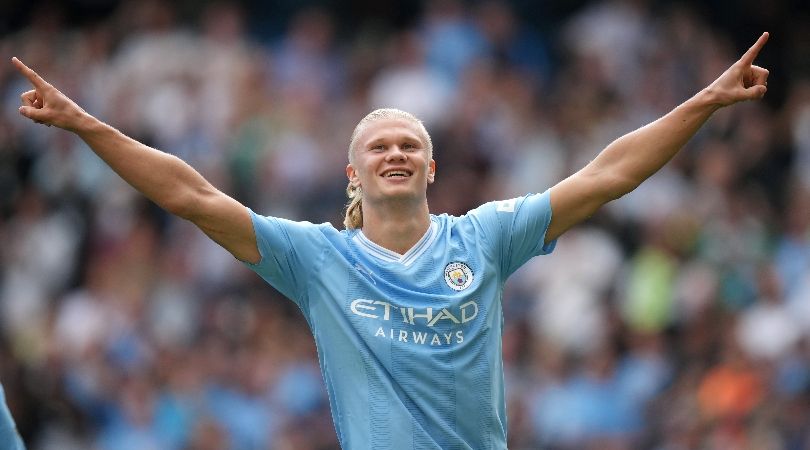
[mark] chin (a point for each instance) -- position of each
(401, 193)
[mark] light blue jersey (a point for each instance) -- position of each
(9, 438)
(409, 345)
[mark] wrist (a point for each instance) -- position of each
(710, 98)
(84, 123)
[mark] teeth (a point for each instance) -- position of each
(396, 174)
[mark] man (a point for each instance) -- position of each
(404, 305)
(9, 438)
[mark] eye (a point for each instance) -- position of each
(408, 146)
(378, 148)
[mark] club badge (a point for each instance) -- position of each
(458, 276)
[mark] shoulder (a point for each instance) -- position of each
(509, 214)
(271, 227)
(492, 210)
(325, 227)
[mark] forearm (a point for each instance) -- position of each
(163, 178)
(636, 156)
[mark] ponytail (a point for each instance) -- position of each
(354, 209)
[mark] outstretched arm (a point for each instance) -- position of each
(163, 178)
(624, 164)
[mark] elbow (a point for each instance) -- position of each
(177, 205)
(187, 195)
(192, 203)
(184, 203)
(616, 187)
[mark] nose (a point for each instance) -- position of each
(396, 154)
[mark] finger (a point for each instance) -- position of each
(756, 92)
(37, 115)
(760, 75)
(749, 56)
(28, 97)
(32, 76)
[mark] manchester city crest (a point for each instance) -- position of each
(458, 276)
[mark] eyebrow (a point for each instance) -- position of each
(409, 139)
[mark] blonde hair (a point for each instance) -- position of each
(354, 209)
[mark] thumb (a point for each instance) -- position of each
(33, 113)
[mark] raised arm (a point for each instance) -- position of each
(163, 178)
(624, 164)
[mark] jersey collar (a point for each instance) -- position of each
(386, 255)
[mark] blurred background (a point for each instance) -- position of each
(677, 318)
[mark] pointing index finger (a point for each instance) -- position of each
(751, 54)
(29, 73)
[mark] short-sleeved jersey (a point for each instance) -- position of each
(9, 438)
(409, 345)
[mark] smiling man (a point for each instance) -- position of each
(405, 306)
(390, 165)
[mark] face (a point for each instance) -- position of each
(391, 161)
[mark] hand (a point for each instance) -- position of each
(743, 80)
(45, 104)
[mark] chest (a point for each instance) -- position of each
(440, 299)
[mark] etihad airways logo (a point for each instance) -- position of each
(376, 309)
(388, 312)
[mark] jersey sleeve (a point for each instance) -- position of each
(9, 437)
(515, 229)
(289, 252)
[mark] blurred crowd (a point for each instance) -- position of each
(677, 318)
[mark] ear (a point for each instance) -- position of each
(351, 174)
(431, 174)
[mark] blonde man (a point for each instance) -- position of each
(404, 305)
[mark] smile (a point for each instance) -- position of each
(396, 173)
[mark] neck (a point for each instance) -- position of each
(395, 226)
